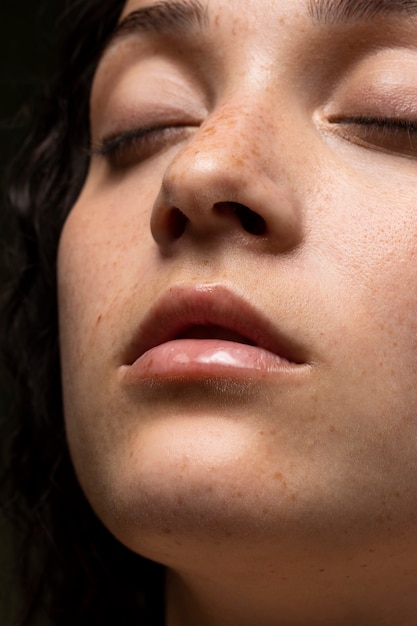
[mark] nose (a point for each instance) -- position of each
(224, 183)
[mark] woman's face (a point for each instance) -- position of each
(238, 289)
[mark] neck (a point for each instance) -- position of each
(292, 597)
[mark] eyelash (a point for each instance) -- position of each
(139, 144)
(389, 133)
(392, 123)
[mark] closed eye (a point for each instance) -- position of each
(390, 134)
(137, 145)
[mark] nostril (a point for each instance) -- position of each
(252, 222)
(177, 223)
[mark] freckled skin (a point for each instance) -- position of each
(270, 504)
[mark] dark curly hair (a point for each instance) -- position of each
(71, 570)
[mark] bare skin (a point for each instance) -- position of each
(274, 187)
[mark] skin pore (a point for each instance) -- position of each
(257, 160)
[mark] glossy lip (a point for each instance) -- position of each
(240, 341)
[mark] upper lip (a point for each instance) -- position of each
(182, 308)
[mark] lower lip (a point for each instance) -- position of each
(203, 358)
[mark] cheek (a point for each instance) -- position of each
(103, 258)
(103, 261)
(85, 286)
(366, 247)
(386, 273)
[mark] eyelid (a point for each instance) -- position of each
(141, 115)
(381, 85)
(140, 98)
(110, 142)
(391, 135)
(137, 145)
(372, 105)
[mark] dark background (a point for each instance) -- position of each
(28, 34)
(28, 39)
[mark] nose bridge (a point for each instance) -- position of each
(232, 133)
(234, 142)
(247, 126)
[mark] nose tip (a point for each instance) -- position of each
(214, 186)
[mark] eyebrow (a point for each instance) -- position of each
(182, 16)
(342, 11)
(163, 17)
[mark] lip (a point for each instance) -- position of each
(207, 331)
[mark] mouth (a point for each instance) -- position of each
(215, 332)
(208, 331)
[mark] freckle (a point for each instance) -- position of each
(397, 494)
(294, 497)
(371, 550)
(261, 432)
(322, 570)
(264, 511)
(279, 476)
(239, 162)
(167, 531)
(284, 578)
(210, 130)
(273, 432)
(239, 494)
(364, 565)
